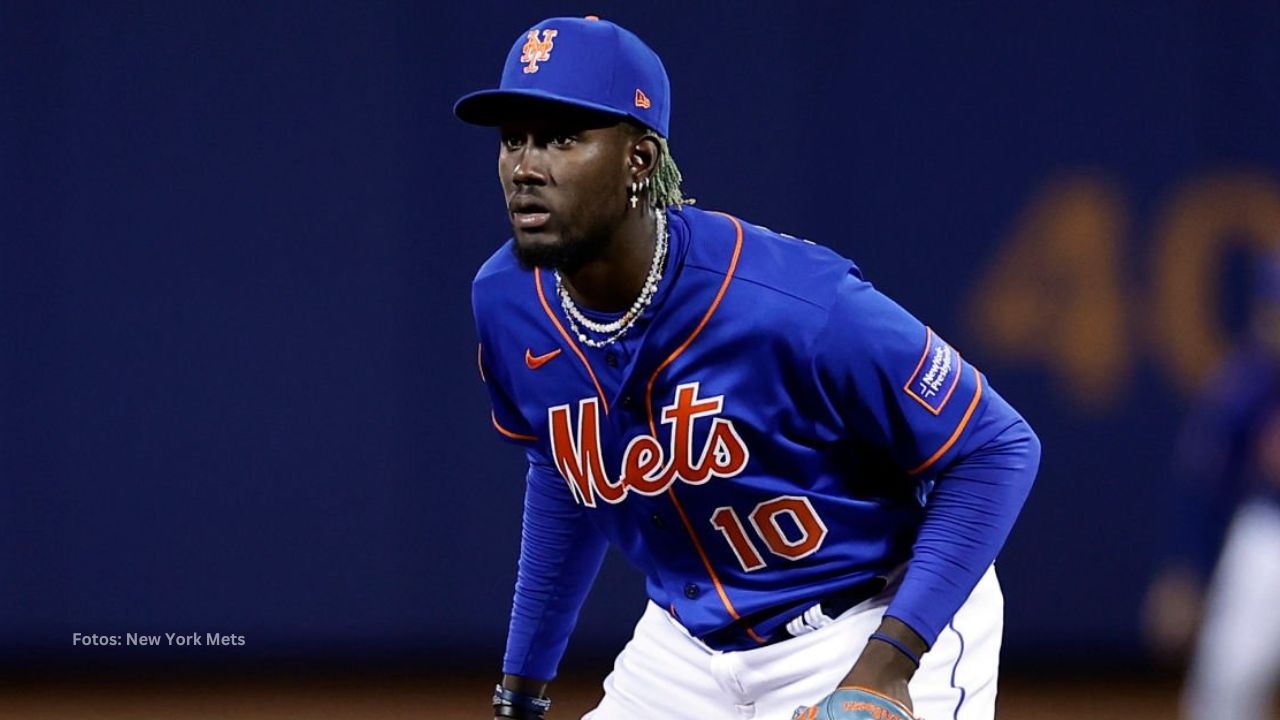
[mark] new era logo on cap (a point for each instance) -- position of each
(642, 100)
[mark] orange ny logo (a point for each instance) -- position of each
(536, 51)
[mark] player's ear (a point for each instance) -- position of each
(644, 155)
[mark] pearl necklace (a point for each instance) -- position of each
(615, 330)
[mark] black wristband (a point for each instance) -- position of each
(518, 706)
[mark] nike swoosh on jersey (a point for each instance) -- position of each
(536, 361)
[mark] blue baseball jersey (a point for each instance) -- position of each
(771, 431)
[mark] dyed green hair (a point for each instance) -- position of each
(664, 183)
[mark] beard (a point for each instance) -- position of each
(568, 255)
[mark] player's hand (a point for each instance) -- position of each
(854, 703)
(885, 669)
(881, 676)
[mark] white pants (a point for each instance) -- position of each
(1237, 661)
(665, 673)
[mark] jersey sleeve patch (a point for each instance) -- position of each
(936, 375)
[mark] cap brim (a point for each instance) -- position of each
(494, 107)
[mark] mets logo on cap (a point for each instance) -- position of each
(536, 51)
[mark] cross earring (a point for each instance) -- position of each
(635, 193)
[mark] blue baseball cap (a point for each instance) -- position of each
(583, 62)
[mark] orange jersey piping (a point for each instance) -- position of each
(728, 276)
(513, 435)
(964, 421)
(706, 563)
(648, 401)
(537, 282)
(493, 415)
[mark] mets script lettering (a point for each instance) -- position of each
(647, 467)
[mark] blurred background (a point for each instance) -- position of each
(237, 366)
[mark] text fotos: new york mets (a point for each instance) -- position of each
(167, 639)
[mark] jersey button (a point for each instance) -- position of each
(657, 521)
(627, 401)
(691, 591)
(611, 360)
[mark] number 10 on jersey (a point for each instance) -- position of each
(801, 537)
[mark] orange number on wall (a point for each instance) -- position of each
(1203, 221)
(1054, 293)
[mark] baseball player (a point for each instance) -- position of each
(1227, 535)
(814, 484)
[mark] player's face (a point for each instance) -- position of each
(564, 175)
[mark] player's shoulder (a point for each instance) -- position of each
(500, 267)
(773, 262)
(506, 301)
(499, 280)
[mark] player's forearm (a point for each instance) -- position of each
(525, 685)
(560, 554)
(968, 517)
(889, 660)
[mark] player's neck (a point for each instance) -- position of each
(612, 282)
